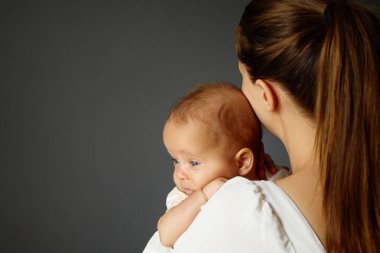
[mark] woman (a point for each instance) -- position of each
(310, 71)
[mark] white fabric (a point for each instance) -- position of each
(176, 196)
(154, 245)
(249, 216)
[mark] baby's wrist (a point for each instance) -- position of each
(213, 187)
(205, 196)
(201, 195)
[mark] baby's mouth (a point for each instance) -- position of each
(188, 191)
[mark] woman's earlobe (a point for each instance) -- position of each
(268, 94)
(245, 160)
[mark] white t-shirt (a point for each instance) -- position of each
(249, 216)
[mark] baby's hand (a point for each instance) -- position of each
(264, 163)
(213, 186)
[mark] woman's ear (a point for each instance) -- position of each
(268, 94)
(245, 161)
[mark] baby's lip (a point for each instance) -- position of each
(188, 191)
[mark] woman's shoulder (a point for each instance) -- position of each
(265, 203)
(246, 204)
(245, 216)
(236, 219)
(249, 196)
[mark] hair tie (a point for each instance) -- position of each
(328, 14)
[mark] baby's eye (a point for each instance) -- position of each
(194, 163)
(175, 161)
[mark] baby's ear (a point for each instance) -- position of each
(245, 160)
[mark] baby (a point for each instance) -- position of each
(212, 135)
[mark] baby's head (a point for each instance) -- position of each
(212, 132)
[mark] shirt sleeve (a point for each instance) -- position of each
(174, 197)
(236, 219)
(154, 245)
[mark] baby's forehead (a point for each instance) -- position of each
(200, 125)
(210, 131)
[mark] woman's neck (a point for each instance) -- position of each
(299, 143)
(297, 133)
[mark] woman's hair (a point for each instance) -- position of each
(226, 112)
(326, 54)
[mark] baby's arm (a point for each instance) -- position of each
(176, 220)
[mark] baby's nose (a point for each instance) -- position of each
(181, 172)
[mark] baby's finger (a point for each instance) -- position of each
(271, 167)
(261, 160)
(260, 168)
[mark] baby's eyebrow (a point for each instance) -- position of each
(187, 153)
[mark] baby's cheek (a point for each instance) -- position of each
(175, 179)
(203, 180)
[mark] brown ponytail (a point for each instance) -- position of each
(348, 134)
(326, 54)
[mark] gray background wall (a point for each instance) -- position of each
(85, 87)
